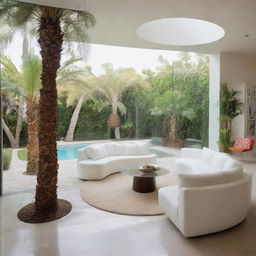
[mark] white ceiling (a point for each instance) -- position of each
(117, 21)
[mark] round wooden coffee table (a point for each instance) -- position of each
(144, 182)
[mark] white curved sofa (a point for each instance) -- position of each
(213, 193)
(99, 160)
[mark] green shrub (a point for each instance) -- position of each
(22, 154)
(7, 156)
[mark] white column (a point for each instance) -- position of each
(214, 101)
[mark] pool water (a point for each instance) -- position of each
(69, 152)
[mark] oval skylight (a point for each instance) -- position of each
(180, 31)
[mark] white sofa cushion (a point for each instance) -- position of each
(218, 160)
(231, 164)
(198, 179)
(139, 148)
(95, 170)
(207, 155)
(115, 149)
(191, 165)
(196, 172)
(95, 152)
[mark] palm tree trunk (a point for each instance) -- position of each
(73, 121)
(50, 40)
(9, 134)
(32, 146)
(173, 129)
(117, 129)
(117, 133)
(19, 124)
(14, 140)
(25, 50)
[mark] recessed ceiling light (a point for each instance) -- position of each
(180, 31)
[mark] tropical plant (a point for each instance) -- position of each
(112, 85)
(27, 83)
(76, 83)
(54, 26)
(13, 104)
(173, 105)
(230, 107)
(190, 77)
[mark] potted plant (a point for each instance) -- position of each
(230, 107)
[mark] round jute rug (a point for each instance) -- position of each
(115, 194)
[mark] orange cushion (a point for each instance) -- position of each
(237, 149)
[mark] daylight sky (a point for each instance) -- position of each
(137, 58)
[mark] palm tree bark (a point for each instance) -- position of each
(73, 121)
(117, 133)
(25, 50)
(50, 40)
(15, 140)
(9, 134)
(173, 129)
(19, 124)
(32, 146)
(114, 111)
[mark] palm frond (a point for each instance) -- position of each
(32, 68)
(11, 87)
(75, 25)
(16, 12)
(69, 62)
(121, 107)
(10, 67)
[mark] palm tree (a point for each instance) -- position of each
(27, 82)
(172, 105)
(12, 101)
(112, 85)
(76, 84)
(55, 25)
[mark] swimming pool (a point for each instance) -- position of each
(68, 152)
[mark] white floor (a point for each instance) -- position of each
(91, 232)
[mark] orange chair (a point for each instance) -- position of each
(242, 145)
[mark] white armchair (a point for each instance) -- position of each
(206, 200)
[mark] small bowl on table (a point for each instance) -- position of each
(149, 168)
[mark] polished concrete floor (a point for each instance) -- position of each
(92, 232)
(88, 231)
